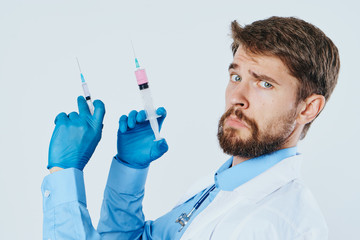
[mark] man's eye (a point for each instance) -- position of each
(235, 78)
(265, 84)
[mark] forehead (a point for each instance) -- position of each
(269, 65)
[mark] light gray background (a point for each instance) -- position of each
(184, 46)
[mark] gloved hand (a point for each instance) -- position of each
(76, 136)
(136, 146)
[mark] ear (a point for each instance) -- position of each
(310, 108)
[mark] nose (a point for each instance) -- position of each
(238, 95)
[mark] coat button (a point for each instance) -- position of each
(47, 193)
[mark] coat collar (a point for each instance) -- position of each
(229, 178)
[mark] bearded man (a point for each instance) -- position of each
(282, 74)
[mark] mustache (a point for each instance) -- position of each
(240, 115)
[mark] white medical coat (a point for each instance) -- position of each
(275, 205)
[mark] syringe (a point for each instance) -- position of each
(86, 90)
(142, 81)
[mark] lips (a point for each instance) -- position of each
(235, 122)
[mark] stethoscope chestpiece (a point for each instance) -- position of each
(183, 219)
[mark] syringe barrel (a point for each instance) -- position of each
(148, 103)
(150, 112)
(155, 127)
(88, 97)
(86, 90)
(91, 106)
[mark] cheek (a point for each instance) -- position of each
(273, 104)
(272, 119)
(266, 113)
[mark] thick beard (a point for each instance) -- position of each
(260, 142)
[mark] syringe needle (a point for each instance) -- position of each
(136, 60)
(78, 64)
(132, 45)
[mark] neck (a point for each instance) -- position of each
(237, 160)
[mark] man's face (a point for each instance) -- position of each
(261, 106)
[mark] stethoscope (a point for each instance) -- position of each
(184, 218)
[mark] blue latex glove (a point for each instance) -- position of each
(76, 136)
(136, 146)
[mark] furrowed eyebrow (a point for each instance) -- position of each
(233, 66)
(263, 77)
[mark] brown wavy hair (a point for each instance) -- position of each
(308, 53)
